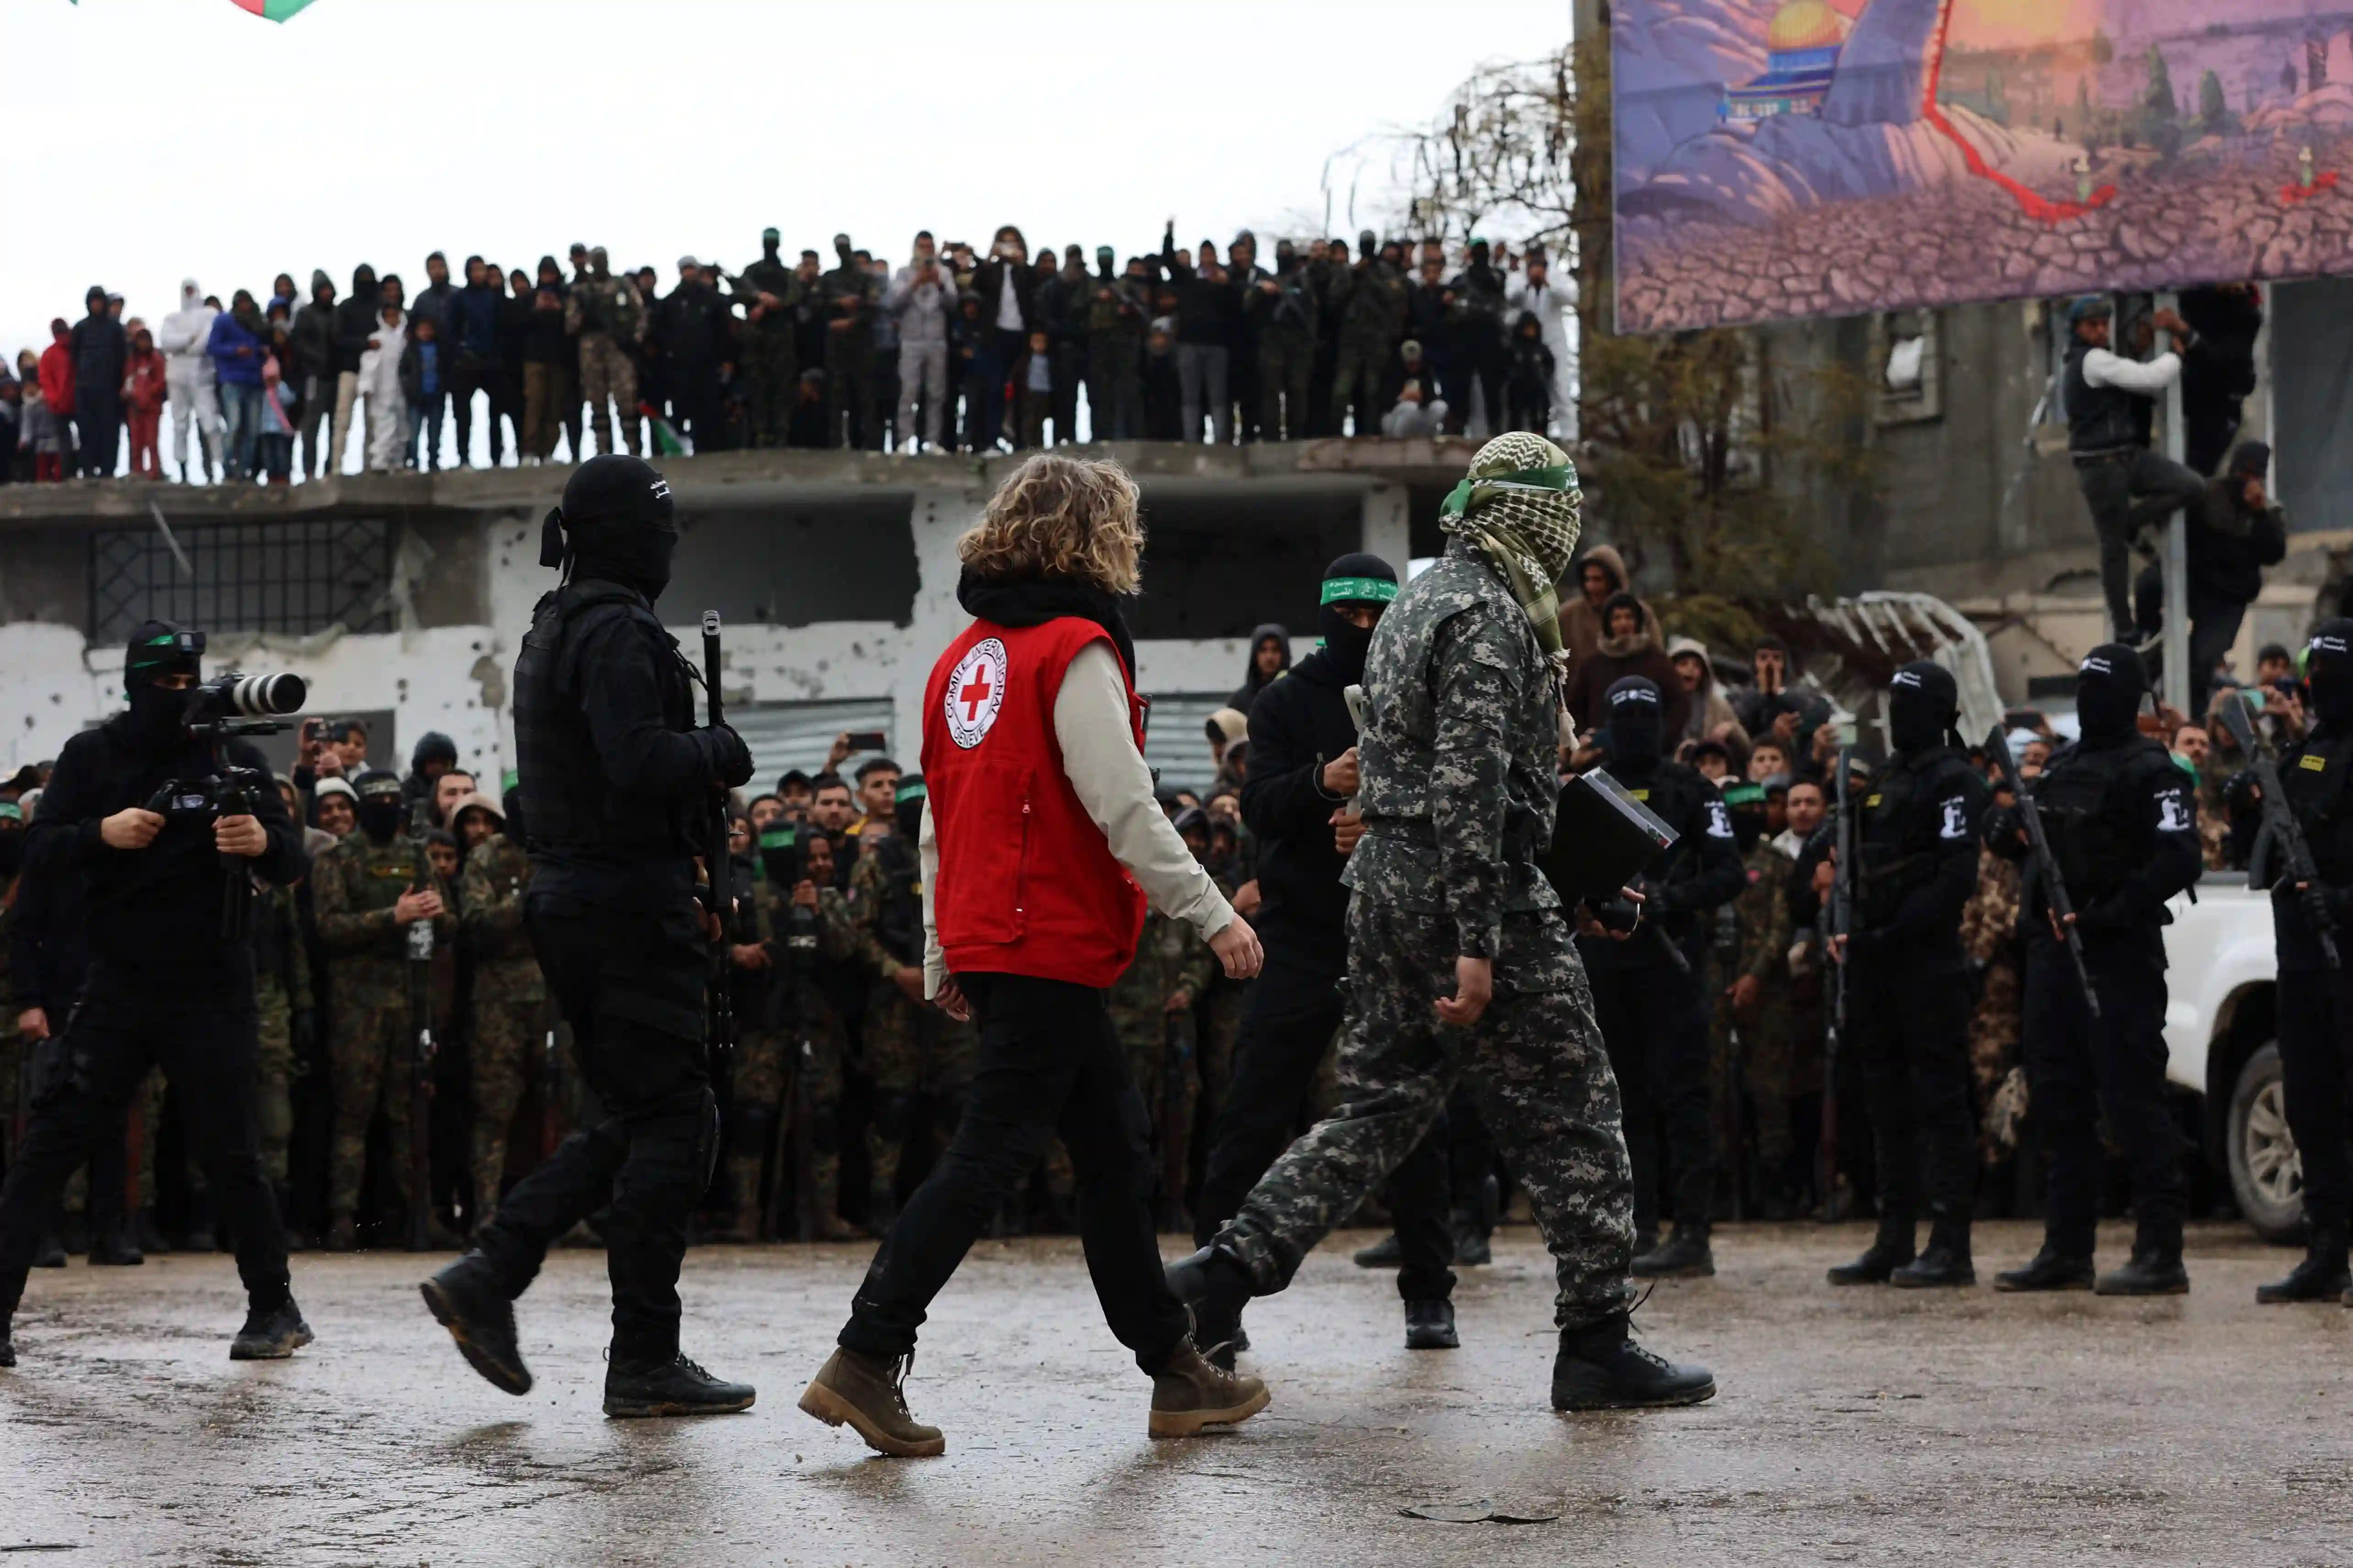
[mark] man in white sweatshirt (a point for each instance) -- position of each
(188, 380)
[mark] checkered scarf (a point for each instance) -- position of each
(1520, 505)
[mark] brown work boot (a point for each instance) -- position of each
(871, 1395)
(1189, 1394)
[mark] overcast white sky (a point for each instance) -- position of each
(158, 139)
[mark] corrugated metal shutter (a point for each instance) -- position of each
(785, 735)
(1173, 742)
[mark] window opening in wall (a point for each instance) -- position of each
(295, 578)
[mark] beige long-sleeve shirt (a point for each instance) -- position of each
(1109, 776)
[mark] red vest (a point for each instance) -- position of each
(1027, 884)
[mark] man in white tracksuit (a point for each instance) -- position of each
(1552, 305)
(188, 380)
(921, 298)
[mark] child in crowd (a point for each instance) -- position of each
(1527, 375)
(387, 409)
(1163, 409)
(37, 424)
(143, 395)
(281, 405)
(423, 366)
(1034, 376)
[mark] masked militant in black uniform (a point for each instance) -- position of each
(137, 811)
(2124, 831)
(616, 782)
(2316, 989)
(1909, 993)
(1647, 995)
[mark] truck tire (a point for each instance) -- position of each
(2266, 1175)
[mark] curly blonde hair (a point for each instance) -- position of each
(1059, 517)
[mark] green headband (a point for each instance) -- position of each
(1474, 490)
(908, 792)
(1357, 591)
(1744, 795)
(777, 838)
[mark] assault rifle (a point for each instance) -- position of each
(2046, 865)
(715, 861)
(421, 1022)
(2284, 830)
(1839, 925)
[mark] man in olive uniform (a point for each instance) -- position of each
(365, 894)
(768, 292)
(1372, 299)
(852, 297)
(1152, 1009)
(609, 318)
(1113, 310)
(1915, 834)
(1751, 990)
(913, 1052)
(1284, 307)
(507, 1005)
(281, 987)
(1460, 969)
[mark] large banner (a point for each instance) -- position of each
(1779, 158)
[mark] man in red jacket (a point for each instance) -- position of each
(58, 389)
(1041, 844)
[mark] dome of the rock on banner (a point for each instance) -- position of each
(1805, 25)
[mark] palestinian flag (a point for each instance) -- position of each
(272, 10)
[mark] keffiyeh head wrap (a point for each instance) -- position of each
(1520, 505)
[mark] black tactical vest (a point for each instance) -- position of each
(898, 922)
(1901, 829)
(2313, 774)
(2094, 825)
(2099, 418)
(567, 799)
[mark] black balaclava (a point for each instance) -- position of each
(1103, 258)
(159, 716)
(2328, 670)
(379, 804)
(1922, 703)
(910, 798)
(2110, 684)
(615, 523)
(1637, 723)
(1744, 803)
(1357, 579)
(769, 241)
(11, 840)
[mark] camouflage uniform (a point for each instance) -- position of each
(1161, 1055)
(281, 988)
(764, 1056)
(1760, 920)
(509, 1005)
(771, 379)
(1997, 1024)
(1458, 797)
(605, 314)
(1286, 349)
(372, 1049)
(850, 356)
(1114, 358)
(1372, 299)
(910, 1048)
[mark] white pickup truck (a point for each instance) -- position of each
(2222, 1046)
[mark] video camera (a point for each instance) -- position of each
(786, 859)
(232, 703)
(230, 706)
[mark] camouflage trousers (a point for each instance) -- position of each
(762, 1082)
(503, 1051)
(273, 1082)
(1997, 1028)
(1286, 363)
(1536, 1066)
(1767, 1072)
(605, 371)
(1356, 375)
(370, 1054)
(1163, 1061)
(912, 1052)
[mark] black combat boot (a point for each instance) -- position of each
(7, 1348)
(2153, 1271)
(2050, 1271)
(51, 1252)
(465, 1298)
(1216, 1285)
(1890, 1250)
(2321, 1276)
(115, 1245)
(1600, 1367)
(1947, 1263)
(672, 1387)
(1385, 1252)
(271, 1333)
(1430, 1326)
(1685, 1256)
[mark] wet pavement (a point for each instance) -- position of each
(1854, 1426)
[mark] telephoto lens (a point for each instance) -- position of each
(267, 696)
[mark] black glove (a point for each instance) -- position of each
(730, 759)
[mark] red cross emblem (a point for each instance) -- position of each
(975, 692)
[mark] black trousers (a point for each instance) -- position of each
(1653, 1022)
(2078, 1068)
(631, 987)
(205, 1045)
(1296, 1006)
(1909, 1016)
(2126, 494)
(2316, 1042)
(1051, 1066)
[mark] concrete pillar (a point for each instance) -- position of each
(1387, 530)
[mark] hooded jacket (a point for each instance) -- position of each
(235, 351)
(185, 335)
(1299, 725)
(1252, 683)
(1707, 708)
(312, 332)
(1580, 623)
(431, 746)
(355, 320)
(1591, 676)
